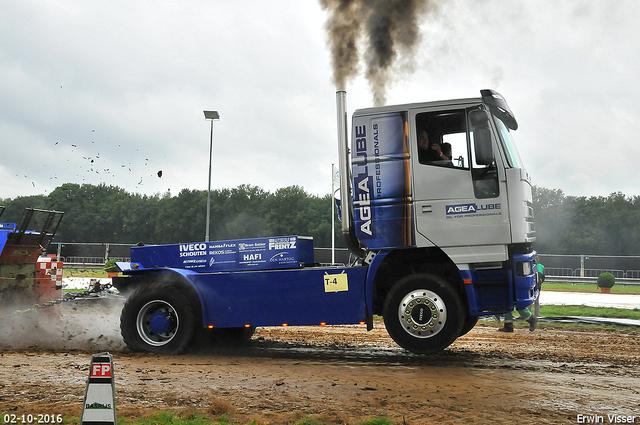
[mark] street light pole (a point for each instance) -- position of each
(212, 116)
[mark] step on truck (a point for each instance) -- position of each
(437, 212)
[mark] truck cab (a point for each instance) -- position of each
(439, 190)
(473, 202)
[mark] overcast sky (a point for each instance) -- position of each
(114, 91)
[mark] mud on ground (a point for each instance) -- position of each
(339, 374)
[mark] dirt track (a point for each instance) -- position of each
(341, 374)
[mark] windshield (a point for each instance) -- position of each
(513, 157)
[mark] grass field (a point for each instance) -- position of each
(84, 273)
(585, 311)
(581, 287)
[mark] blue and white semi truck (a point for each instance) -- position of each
(440, 238)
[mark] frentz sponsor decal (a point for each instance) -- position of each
(282, 243)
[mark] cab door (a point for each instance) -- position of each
(460, 194)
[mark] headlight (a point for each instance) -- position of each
(524, 268)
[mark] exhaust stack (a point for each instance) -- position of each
(348, 232)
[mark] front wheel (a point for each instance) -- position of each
(157, 318)
(469, 323)
(423, 314)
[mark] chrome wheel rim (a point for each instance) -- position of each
(157, 323)
(422, 313)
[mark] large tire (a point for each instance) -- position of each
(469, 323)
(423, 314)
(158, 318)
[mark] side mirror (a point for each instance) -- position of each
(481, 136)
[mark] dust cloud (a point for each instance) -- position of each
(75, 325)
(389, 30)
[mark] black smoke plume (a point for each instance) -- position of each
(389, 30)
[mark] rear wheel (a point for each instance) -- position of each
(158, 318)
(423, 314)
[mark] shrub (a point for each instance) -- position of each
(606, 280)
(110, 266)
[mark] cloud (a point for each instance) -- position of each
(126, 83)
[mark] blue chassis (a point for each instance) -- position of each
(306, 297)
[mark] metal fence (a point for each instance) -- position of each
(586, 268)
(566, 271)
(590, 276)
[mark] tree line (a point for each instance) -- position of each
(110, 214)
(598, 225)
(564, 224)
